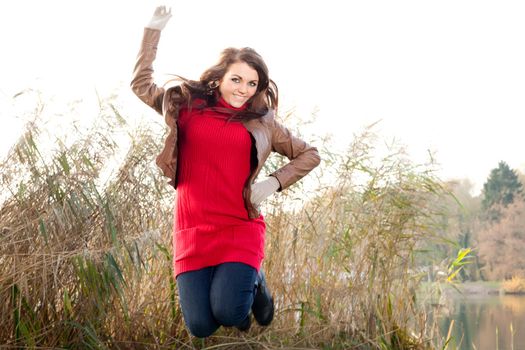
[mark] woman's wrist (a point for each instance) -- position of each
(273, 184)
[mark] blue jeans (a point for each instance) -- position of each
(216, 296)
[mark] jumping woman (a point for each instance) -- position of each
(222, 128)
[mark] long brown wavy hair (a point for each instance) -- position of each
(206, 88)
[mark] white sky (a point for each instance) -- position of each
(445, 76)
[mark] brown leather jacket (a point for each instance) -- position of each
(268, 134)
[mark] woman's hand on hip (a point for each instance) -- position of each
(160, 18)
(263, 189)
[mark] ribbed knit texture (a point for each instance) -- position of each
(211, 224)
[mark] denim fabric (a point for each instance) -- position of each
(216, 296)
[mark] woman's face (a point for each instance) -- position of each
(239, 84)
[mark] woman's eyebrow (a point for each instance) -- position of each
(238, 76)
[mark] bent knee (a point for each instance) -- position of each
(201, 329)
(230, 317)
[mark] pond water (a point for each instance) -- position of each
(484, 322)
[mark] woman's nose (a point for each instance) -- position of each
(243, 89)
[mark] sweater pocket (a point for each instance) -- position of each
(185, 243)
(202, 246)
(249, 240)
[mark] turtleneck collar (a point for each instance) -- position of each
(222, 103)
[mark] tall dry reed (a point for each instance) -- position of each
(85, 257)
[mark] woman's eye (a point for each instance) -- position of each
(235, 80)
(253, 84)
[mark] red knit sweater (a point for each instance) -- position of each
(211, 224)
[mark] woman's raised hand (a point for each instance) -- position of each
(160, 17)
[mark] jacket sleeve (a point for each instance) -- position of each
(303, 157)
(142, 83)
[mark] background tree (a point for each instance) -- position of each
(502, 243)
(501, 188)
(464, 220)
(459, 212)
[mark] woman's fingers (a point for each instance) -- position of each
(163, 11)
